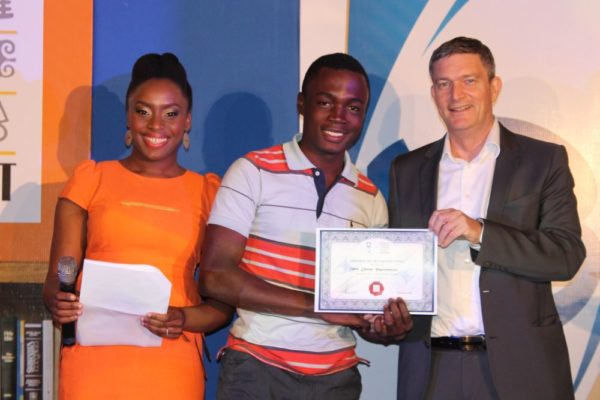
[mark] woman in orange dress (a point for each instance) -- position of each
(144, 209)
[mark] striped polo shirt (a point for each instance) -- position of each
(272, 197)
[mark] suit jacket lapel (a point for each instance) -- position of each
(429, 180)
(506, 164)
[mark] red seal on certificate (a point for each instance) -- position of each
(376, 288)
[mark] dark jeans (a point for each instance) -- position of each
(243, 377)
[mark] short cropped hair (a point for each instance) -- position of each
(335, 61)
(464, 45)
(159, 66)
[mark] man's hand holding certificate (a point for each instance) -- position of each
(358, 270)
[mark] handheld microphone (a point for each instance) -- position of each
(67, 274)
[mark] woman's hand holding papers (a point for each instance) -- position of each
(169, 325)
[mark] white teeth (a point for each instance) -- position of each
(334, 134)
(155, 140)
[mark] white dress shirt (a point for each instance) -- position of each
(464, 186)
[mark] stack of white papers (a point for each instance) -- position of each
(114, 297)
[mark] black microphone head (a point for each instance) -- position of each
(67, 270)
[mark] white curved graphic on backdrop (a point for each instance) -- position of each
(547, 55)
(550, 67)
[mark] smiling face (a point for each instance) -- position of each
(157, 116)
(464, 94)
(333, 106)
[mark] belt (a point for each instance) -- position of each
(463, 343)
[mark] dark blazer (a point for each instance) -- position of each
(531, 237)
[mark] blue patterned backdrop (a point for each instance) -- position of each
(243, 61)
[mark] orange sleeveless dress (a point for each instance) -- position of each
(140, 220)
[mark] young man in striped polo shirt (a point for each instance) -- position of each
(259, 253)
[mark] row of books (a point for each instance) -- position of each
(28, 344)
(27, 368)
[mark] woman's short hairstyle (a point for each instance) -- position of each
(159, 66)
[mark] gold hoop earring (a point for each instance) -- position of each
(186, 140)
(128, 138)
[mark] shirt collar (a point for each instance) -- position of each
(492, 144)
(297, 161)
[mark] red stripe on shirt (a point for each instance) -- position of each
(298, 361)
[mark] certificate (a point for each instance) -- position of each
(358, 270)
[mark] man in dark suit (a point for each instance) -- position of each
(503, 209)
